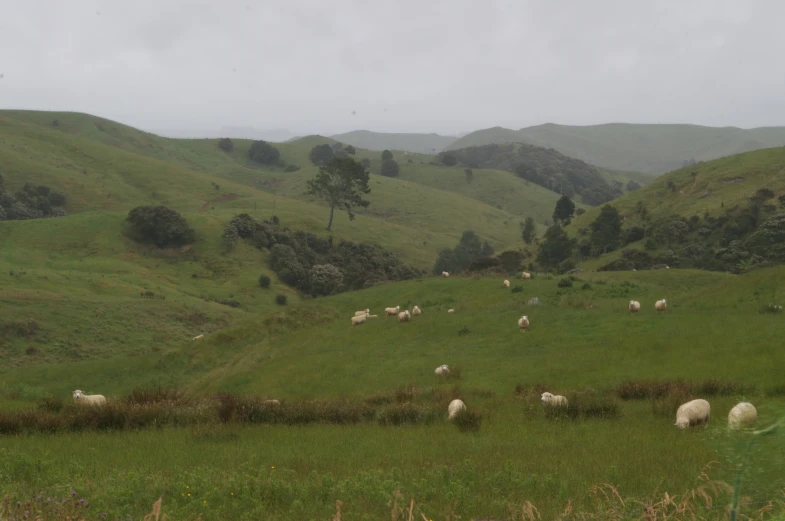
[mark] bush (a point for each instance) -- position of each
(281, 300)
(321, 154)
(264, 153)
(407, 414)
(468, 421)
(566, 282)
(517, 289)
(292, 168)
(226, 144)
(390, 168)
(159, 225)
(264, 281)
(50, 404)
(325, 279)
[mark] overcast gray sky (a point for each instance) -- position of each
(396, 65)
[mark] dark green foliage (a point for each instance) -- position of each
(31, 202)
(529, 230)
(281, 300)
(467, 421)
(292, 168)
(556, 247)
(264, 281)
(390, 168)
(264, 153)
(386, 155)
(634, 234)
(159, 225)
(448, 158)
(511, 261)
(350, 150)
(458, 259)
(321, 154)
(606, 230)
(632, 186)
(670, 230)
(226, 144)
(566, 282)
(365, 162)
(341, 183)
(768, 241)
(324, 279)
(564, 211)
(761, 196)
(629, 260)
(517, 289)
(469, 175)
(485, 264)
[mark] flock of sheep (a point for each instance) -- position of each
(692, 413)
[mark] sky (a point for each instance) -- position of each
(396, 65)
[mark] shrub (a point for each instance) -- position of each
(325, 279)
(516, 289)
(390, 168)
(281, 300)
(566, 282)
(468, 421)
(292, 168)
(50, 404)
(226, 144)
(159, 225)
(321, 154)
(406, 413)
(586, 285)
(592, 405)
(264, 153)
(264, 281)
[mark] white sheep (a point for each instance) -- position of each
(358, 313)
(693, 413)
(404, 316)
(445, 274)
(392, 311)
(553, 399)
(199, 337)
(455, 407)
(523, 323)
(360, 319)
(506, 283)
(89, 399)
(742, 413)
(634, 306)
(660, 305)
(451, 310)
(442, 370)
(271, 402)
(526, 275)
(416, 311)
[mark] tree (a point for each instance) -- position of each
(606, 230)
(386, 155)
(449, 159)
(390, 168)
(226, 144)
(564, 211)
(529, 230)
(321, 154)
(556, 247)
(341, 183)
(469, 175)
(350, 150)
(264, 153)
(324, 279)
(633, 185)
(468, 249)
(159, 225)
(365, 162)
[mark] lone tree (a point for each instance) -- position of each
(226, 144)
(529, 230)
(390, 168)
(564, 211)
(556, 247)
(321, 154)
(341, 182)
(606, 230)
(159, 225)
(449, 159)
(386, 155)
(469, 175)
(264, 153)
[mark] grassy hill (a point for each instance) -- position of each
(634, 147)
(411, 142)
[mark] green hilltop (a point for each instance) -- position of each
(411, 142)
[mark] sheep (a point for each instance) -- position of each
(553, 399)
(523, 323)
(634, 306)
(199, 337)
(359, 313)
(660, 305)
(271, 402)
(404, 316)
(89, 399)
(451, 310)
(416, 311)
(743, 412)
(526, 276)
(392, 311)
(359, 319)
(445, 274)
(455, 407)
(506, 283)
(442, 370)
(693, 413)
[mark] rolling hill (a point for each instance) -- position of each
(411, 142)
(654, 148)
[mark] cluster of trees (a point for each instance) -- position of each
(469, 250)
(389, 165)
(316, 265)
(322, 154)
(31, 202)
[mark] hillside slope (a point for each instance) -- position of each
(634, 147)
(411, 142)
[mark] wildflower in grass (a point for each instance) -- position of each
(189, 494)
(73, 493)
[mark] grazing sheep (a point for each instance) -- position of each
(660, 305)
(455, 407)
(451, 310)
(416, 311)
(526, 276)
(553, 399)
(404, 316)
(442, 370)
(634, 306)
(359, 319)
(693, 413)
(366, 312)
(506, 283)
(445, 274)
(742, 413)
(392, 311)
(271, 402)
(523, 323)
(199, 337)
(89, 399)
